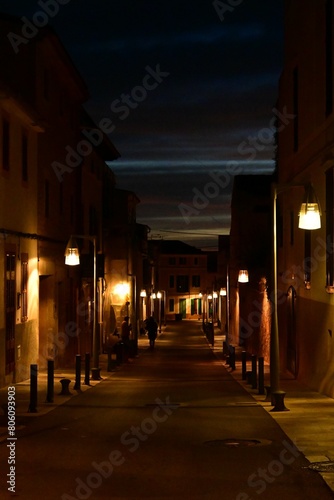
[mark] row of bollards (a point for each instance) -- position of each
(50, 381)
(229, 351)
(255, 378)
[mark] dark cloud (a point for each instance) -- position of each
(221, 90)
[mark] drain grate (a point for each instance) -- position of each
(237, 443)
(327, 466)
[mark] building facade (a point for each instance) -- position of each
(55, 183)
(180, 272)
(306, 156)
(250, 250)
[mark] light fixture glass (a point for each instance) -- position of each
(215, 295)
(122, 289)
(159, 295)
(222, 292)
(72, 255)
(310, 212)
(210, 296)
(143, 293)
(243, 276)
(154, 295)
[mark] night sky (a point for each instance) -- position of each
(191, 87)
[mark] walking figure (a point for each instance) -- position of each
(152, 330)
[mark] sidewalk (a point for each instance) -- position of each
(22, 390)
(309, 423)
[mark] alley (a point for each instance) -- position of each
(171, 424)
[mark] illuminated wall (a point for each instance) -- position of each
(305, 155)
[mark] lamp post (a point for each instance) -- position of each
(214, 306)
(153, 297)
(72, 258)
(143, 308)
(309, 218)
(159, 295)
(222, 293)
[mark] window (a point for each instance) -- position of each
(24, 287)
(292, 228)
(5, 144)
(182, 261)
(46, 199)
(329, 228)
(329, 57)
(61, 198)
(61, 104)
(172, 261)
(171, 305)
(295, 109)
(182, 283)
(46, 84)
(196, 281)
(72, 210)
(171, 281)
(307, 258)
(10, 310)
(24, 155)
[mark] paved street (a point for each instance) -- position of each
(171, 424)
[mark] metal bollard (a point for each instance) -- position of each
(50, 386)
(87, 368)
(65, 384)
(33, 389)
(77, 384)
(243, 364)
(261, 375)
(254, 372)
(232, 357)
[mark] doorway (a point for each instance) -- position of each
(291, 331)
(183, 307)
(10, 293)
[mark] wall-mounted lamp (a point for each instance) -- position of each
(122, 289)
(243, 276)
(72, 254)
(223, 292)
(143, 293)
(310, 212)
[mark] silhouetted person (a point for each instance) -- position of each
(152, 330)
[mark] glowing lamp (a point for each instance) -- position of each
(309, 214)
(243, 276)
(72, 255)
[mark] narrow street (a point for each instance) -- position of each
(171, 424)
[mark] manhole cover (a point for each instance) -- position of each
(173, 406)
(327, 466)
(237, 443)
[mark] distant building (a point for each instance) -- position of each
(250, 250)
(181, 272)
(125, 249)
